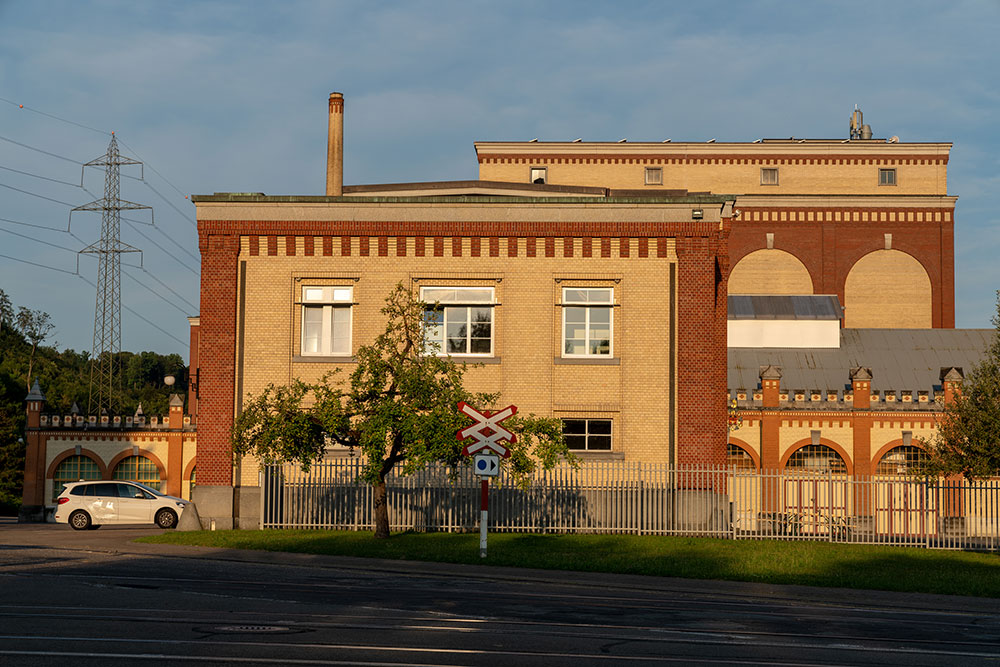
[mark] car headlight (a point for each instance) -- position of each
(182, 504)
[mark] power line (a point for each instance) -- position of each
(11, 187)
(64, 120)
(44, 266)
(168, 288)
(165, 251)
(44, 178)
(177, 189)
(32, 238)
(171, 204)
(155, 326)
(165, 299)
(39, 150)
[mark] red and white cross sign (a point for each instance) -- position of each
(486, 432)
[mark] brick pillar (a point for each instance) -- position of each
(217, 349)
(701, 359)
(948, 272)
(951, 506)
(193, 365)
(861, 423)
(175, 447)
(770, 431)
(33, 496)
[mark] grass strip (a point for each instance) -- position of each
(776, 562)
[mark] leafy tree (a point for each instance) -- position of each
(968, 435)
(398, 408)
(35, 326)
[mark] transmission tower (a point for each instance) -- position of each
(105, 370)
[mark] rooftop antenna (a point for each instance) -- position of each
(858, 128)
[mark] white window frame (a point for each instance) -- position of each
(587, 435)
(654, 175)
(887, 170)
(545, 174)
(588, 306)
(327, 299)
(769, 170)
(459, 302)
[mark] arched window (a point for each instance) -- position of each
(816, 458)
(193, 471)
(900, 460)
(739, 458)
(73, 469)
(138, 469)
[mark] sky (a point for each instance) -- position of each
(232, 96)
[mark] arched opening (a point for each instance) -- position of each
(816, 458)
(888, 289)
(138, 469)
(770, 271)
(900, 460)
(73, 469)
(739, 458)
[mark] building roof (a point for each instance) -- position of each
(784, 307)
(899, 359)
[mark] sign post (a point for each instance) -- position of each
(486, 434)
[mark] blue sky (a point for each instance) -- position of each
(227, 96)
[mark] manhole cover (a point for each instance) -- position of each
(252, 628)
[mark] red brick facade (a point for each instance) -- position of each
(829, 247)
(702, 271)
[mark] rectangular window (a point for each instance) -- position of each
(768, 175)
(458, 320)
(654, 176)
(587, 434)
(539, 175)
(587, 321)
(326, 321)
(886, 176)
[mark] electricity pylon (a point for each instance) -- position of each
(105, 365)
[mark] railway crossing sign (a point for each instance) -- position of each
(487, 431)
(486, 434)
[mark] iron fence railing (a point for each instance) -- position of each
(648, 499)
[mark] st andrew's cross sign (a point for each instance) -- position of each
(487, 432)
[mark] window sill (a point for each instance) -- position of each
(320, 359)
(460, 359)
(598, 455)
(587, 361)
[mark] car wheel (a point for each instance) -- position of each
(80, 520)
(166, 519)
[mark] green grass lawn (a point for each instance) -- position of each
(776, 562)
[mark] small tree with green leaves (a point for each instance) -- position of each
(398, 408)
(967, 441)
(35, 325)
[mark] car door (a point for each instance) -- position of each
(134, 505)
(103, 504)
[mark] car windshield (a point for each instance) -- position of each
(147, 488)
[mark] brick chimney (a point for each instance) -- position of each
(335, 147)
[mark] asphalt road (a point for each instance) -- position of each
(93, 598)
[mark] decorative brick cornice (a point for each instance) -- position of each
(715, 159)
(226, 228)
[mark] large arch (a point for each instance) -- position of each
(888, 289)
(848, 462)
(62, 456)
(746, 448)
(770, 271)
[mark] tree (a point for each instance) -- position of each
(35, 326)
(398, 408)
(967, 441)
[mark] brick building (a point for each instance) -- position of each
(869, 220)
(607, 311)
(157, 450)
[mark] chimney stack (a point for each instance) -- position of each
(335, 147)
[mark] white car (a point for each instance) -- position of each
(89, 505)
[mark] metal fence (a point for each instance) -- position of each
(647, 499)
